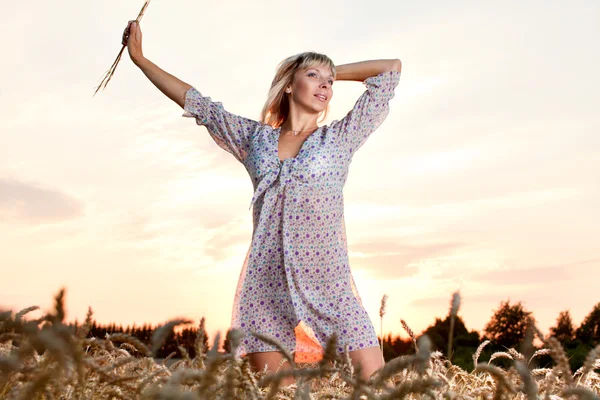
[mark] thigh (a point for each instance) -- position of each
(370, 360)
(272, 360)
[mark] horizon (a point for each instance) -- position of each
(194, 324)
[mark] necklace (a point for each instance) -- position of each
(297, 132)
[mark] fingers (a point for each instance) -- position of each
(138, 33)
(128, 31)
(126, 34)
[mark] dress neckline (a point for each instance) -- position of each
(277, 137)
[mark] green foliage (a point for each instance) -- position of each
(464, 342)
(463, 357)
(577, 354)
(589, 330)
(564, 330)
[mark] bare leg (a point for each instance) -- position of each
(272, 360)
(370, 359)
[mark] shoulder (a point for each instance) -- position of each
(262, 131)
(260, 127)
(332, 127)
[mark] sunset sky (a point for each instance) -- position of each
(485, 177)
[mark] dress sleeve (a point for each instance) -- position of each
(231, 132)
(369, 112)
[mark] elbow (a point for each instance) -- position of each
(397, 65)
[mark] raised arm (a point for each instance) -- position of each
(171, 86)
(381, 78)
(359, 71)
(231, 132)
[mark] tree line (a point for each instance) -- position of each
(506, 329)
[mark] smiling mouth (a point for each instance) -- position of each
(321, 97)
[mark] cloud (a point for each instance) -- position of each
(485, 291)
(486, 304)
(388, 260)
(229, 239)
(31, 203)
(535, 275)
(441, 302)
(136, 226)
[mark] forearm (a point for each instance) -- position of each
(359, 71)
(171, 86)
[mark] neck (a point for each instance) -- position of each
(298, 132)
(297, 121)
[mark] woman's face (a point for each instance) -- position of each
(311, 88)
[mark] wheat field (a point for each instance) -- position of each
(47, 359)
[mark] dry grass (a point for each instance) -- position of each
(119, 366)
(111, 71)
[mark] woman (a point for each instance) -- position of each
(296, 270)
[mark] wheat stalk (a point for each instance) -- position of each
(590, 361)
(529, 386)
(108, 75)
(454, 305)
(540, 352)
(561, 360)
(381, 314)
(410, 333)
(71, 367)
(582, 393)
(500, 354)
(478, 352)
(502, 380)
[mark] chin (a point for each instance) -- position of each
(321, 107)
(318, 107)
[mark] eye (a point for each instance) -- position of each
(330, 82)
(312, 74)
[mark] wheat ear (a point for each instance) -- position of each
(108, 75)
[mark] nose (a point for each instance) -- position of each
(324, 84)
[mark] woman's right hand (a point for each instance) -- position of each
(132, 38)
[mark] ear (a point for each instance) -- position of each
(288, 88)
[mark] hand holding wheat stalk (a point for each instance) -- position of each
(132, 38)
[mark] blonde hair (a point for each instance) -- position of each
(277, 107)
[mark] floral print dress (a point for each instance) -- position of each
(296, 285)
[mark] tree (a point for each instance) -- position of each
(440, 330)
(564, 330)
(395, 346)
(508, 325)
(464, 342)
(589, 330)
(226, 344)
